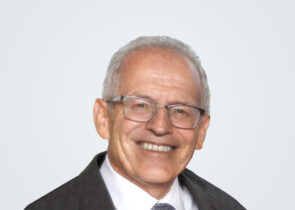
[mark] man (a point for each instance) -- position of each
(155, 114)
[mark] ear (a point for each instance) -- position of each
(101, 118)
(204, 124)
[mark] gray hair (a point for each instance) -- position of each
(111, 81)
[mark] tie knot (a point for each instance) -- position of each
(163, 206)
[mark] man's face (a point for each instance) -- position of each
(165, 77)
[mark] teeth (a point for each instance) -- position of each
(155, 147)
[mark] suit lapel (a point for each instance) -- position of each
(93, 194)
(201, 198)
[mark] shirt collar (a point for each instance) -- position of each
(128, 196)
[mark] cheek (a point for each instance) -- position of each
(121, 132)
(188, 144)
(116, 124)
(117, 119)
(130, 128)
(189, 138)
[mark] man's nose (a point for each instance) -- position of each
(160, 124)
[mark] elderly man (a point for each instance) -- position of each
(155, 114)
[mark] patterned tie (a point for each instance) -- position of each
(163, 206)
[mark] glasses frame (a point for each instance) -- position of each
(123, 98)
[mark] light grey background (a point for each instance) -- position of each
(53, 59)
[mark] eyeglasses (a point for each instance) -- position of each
(142, 110)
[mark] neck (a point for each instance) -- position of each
(157, 191)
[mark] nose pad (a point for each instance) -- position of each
(160, 123)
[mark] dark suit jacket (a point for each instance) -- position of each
(88, 192)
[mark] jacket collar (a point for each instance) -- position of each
(93, 193)
(194, 186)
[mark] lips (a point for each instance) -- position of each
(155, 147)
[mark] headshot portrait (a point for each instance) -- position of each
(176, 105)
(154, 112)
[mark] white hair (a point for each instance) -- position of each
(112, 78)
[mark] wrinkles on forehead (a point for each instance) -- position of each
(158, 70)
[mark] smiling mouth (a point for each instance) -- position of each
(154, 147)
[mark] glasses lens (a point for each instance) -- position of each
(183, 116)
(142, 110)
(138, 109)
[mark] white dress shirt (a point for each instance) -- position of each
(128, 196)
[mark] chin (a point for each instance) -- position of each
(157, 176)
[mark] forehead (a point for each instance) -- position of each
(159, 72)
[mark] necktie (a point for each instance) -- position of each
(163, 206)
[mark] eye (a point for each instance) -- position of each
(180, 111)
(142, 105)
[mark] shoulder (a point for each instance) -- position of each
(85, 191)
(215, 197)
(63, 197)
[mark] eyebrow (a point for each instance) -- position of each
(175, 102)
(143, 96)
